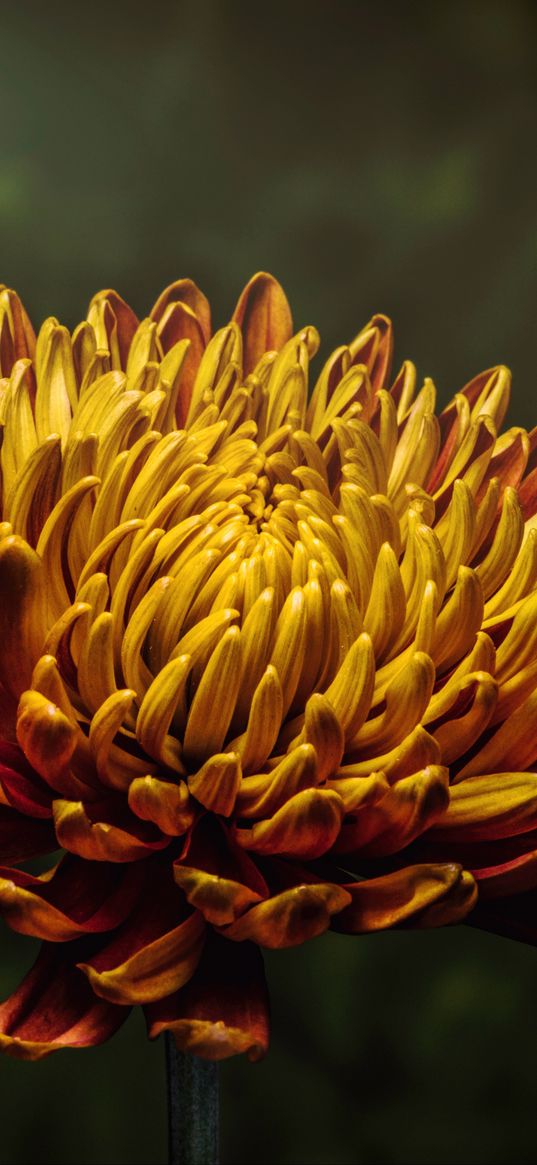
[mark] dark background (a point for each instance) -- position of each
(375, 157)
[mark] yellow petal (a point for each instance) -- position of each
(351, 691)
(214, 701)
(216, 783)
(486, 807)
(264, 722)
(305, 827)
(263, 795)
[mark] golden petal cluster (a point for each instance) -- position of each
(261, 626)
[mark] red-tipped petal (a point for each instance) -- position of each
(180, 323)
(510, 877)
(22, 788)
(264, 316)
(154, 952)
(70, 900)
(120, 319)
(185, 292)
(223, 1010)
(373, 346)
(53, 1008)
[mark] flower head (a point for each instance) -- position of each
(268, 659)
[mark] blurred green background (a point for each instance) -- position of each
(374, 156)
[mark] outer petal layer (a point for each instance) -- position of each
(65, 903)
(54, 1007)
(291, 917)
(223, 1010)
(379, 903)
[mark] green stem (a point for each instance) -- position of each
(192, 1108)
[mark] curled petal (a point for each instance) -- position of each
(263, 795)
(379, 903)
(87, 831)
(216, 783)
(456, 734)
(373, 346)
(406, 698)
(114, 321)
(512, 745)
(359, 792)
(46, 736)
(166, 803)
(154, 952)
(407, 809)
(323, 731)
(351, 691)
(223, 1010)
(292, 916)
(306, 826)
(65, 903)
(452, 908)
(488, 393)
(214, 702)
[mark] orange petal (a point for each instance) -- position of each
(291, 917)
(306, 826)
(185, 291)
(66, 902)
(85, 830)
(379, 903)
(154, 971)
(408, 808)
(166, 803)
(468, 718)
(223, 1010)
(489, 806)
(216, 783)
(264, 316)
(263, 794)
(46, 736)
(452, 908)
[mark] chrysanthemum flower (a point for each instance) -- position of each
(268, 659)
